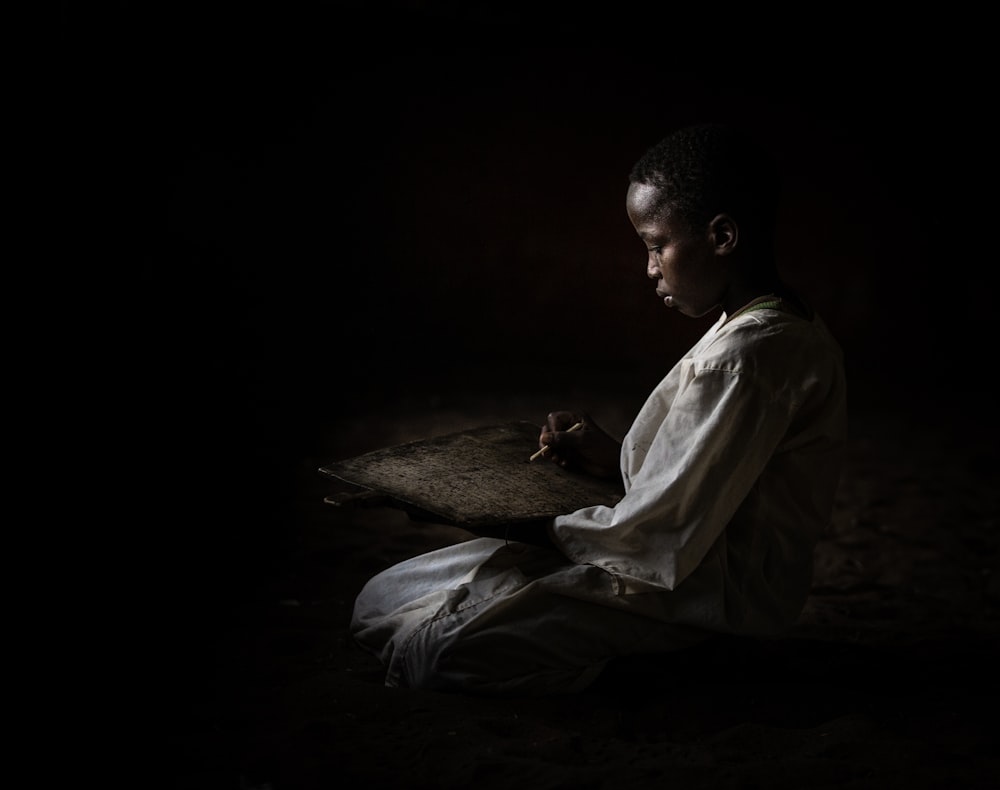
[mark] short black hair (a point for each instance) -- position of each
(711, 168)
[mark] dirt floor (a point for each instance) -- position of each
(888, 680)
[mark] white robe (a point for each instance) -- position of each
(730, 470)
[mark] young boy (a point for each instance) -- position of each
(729, 470)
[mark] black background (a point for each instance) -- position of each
(329, 210)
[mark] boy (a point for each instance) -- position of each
(729, 470)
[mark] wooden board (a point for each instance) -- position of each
(476, 478)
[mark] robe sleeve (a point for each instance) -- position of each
(701, 460)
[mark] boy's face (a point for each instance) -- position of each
(689, 273)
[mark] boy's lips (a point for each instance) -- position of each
(668, 300)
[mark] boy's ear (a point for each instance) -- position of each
(725, 234)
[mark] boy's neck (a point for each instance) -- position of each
(741, 293)
(766, 293)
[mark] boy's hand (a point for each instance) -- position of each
(589, 450)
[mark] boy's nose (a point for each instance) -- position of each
(652, 270)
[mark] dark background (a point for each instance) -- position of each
(335, 214)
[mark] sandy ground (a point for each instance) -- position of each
(888, 680)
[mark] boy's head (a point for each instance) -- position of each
(704, 201)
(709, 169)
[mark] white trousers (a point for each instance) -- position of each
(489, 617)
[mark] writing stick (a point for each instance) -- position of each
(545, 449)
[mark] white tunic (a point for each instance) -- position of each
(730, 469)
